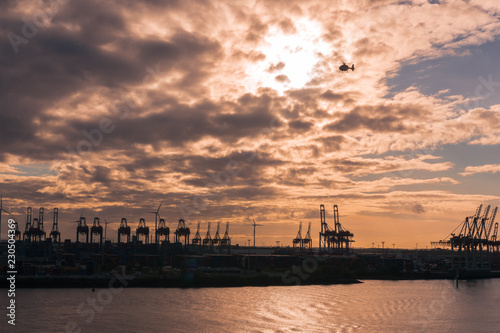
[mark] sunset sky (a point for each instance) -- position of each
(224, 109)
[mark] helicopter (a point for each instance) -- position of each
(345, 68)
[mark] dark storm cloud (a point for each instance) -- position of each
(60, 62)
(300, 125)
(101, 174)
(178, 124)
(375, 118)
(237, 168)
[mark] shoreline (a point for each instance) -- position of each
(129, 281)
(222, 280)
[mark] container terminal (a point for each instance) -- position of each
(155, 256)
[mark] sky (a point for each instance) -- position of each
(229, 111)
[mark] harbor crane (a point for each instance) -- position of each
(216, 240)
(124, 230)
(36, 231)
(27, 229)
(226, 240)
(96, 229)
(473, 245)
(163, 231)
(82, 228)
(208, 239)
(142, 229)
(197, 236)
(307, 240)
(297, 241)
(182, 231)
(55, 234)
(336, 240)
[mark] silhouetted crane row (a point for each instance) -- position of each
(472, 246)
(197, 237)
(333, 241)
(215, 241)
(55, 234)
(208, 238)
(163, 230)
(124, 230)
(96, 229)
(182, 231)
(297, 241)
(142, 229)
(307, 240)
(34, 229)
(303, 244)
(82, 229)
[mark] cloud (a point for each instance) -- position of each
(189, 94)
(276, 67)
(488, 168)
(418, 209)
(282, 78)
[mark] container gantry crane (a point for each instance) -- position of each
(55, 234)
(297, 241)
(124, 230)
(207, 240)
(142, 229)
(182, 231)
(97, 230)
(163, 231)
(197, 236)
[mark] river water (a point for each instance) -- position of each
(372, 306)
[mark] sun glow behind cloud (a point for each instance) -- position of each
(291, 57)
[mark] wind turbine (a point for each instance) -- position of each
(79, 219)
(157, 214)
(105, 229)
(254, 225)
(1, 209)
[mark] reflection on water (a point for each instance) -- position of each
(373, 306)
